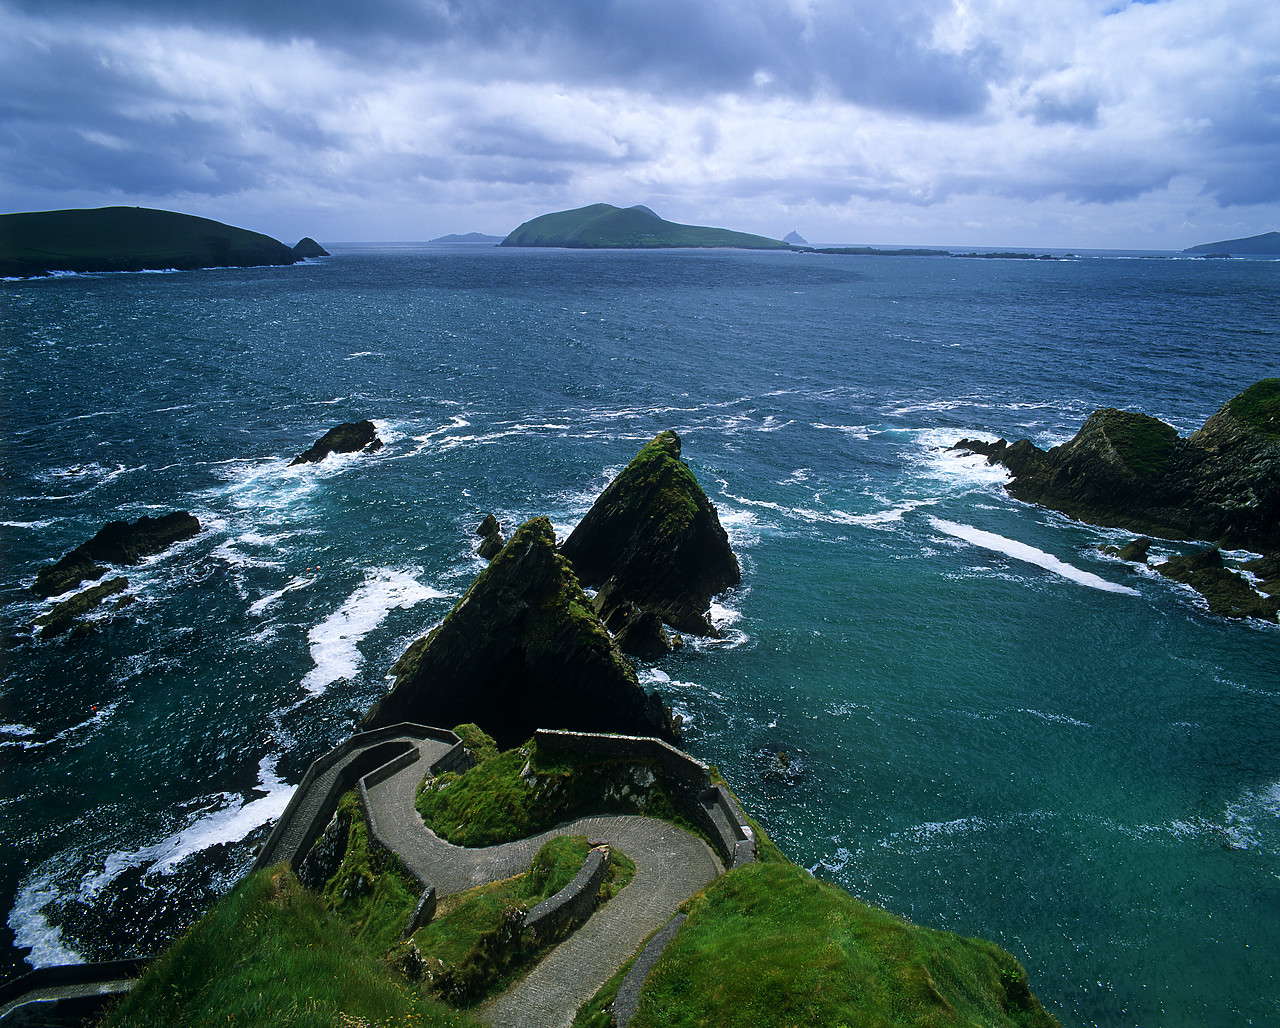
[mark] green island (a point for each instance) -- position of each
(604, 226)
(765, 943)
(134, 239)
(1248, 246)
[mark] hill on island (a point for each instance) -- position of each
(603, 226)
(133, 239)
(467, 237)
(1267, 243)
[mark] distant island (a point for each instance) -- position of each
(795, 239)
(467, 237)
(1249, 246)
(603, 226)
(134, 239)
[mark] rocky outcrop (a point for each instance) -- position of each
(1130, 470)
(491, 541)
(1229, 595)
(352, 437)
(522, 650)
(1222, 483)
(118, 542)
(654, 539)
(308, 247)
(65, 615)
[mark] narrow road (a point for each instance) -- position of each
(671, 865)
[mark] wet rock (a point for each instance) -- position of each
(1227, 592)
(351, 437)
(491, 541)
(118, 542)
(1135, 552)
(654, 539)
(64, 616)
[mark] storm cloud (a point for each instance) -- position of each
(1068, 122)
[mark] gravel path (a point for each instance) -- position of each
(671, 865)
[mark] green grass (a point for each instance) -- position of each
(1143, 442)
(269, 954)
(517, 794)
(1259, 406)
(769, 944)
(371, 892)
(602, 225)
(474, 947)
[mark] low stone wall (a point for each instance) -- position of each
(364, 752)
(575, 901)
(686, 781)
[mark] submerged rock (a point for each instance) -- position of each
(64, 616)
(352, 437)
(522, 650)
(654, 539)
(118, 542)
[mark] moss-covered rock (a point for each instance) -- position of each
(65, 614)
(654, 539)
(522, 650)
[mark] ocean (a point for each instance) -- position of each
(945, 701)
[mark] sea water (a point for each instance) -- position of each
(947, 702)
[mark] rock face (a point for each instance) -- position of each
(491, 541)
(1222, 483)
(351, 437)
(654, 539)
(522, 650)
(308, 247)
(118, 542)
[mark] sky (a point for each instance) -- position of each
(1029, 123)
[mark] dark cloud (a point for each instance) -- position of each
(867, 51)
(1065, 108)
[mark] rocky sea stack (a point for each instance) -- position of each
(1222, 483)
(522, 650)
(653, 539)
(352, 437)
(118, 542)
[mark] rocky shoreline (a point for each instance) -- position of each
(1129, 470)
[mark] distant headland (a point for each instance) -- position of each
(603, 226)
(134, 239)
(1249, 246)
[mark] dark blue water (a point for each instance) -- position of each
(989, 727)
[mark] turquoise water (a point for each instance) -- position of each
(988, 726)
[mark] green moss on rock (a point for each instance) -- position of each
(1144, 443)
(1259, 407)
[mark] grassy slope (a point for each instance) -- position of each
(604, 226)
(769, 944)
(1145, 443)
(1259, 406)
(127, 238)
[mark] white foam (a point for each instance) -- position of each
(834, 516)
(301, 582)
(232, 819)
(1061, 719)
(1028, 554)
(1242, 821)
(335, 641)
(32, 930)
(35, 525)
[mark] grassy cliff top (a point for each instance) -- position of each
(128, 239)
(1259, 406)
(602, 225)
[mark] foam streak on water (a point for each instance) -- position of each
(1028, 554)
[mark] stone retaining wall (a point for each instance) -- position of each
(686, 781)
(575, 901)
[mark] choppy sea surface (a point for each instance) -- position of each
(947, 702)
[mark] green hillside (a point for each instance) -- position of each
(128, 239)
(1267, 243)
(604, 226)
